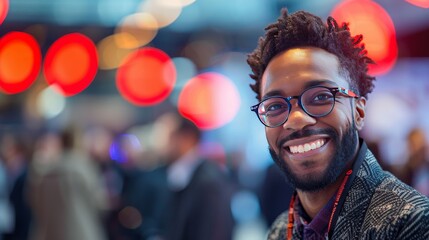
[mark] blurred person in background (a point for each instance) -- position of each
(312, 81)
(14, 151)
(144, 195)
(66, 194)
(97, 142)
(5, 207)
(274, 194)
(200, 190)
(415, 171)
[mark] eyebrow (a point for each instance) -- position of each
(306, 85)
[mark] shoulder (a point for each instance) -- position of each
(278, 228)
(399, 209)
(385, 190)
(392, 191)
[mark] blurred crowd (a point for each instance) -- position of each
(97, 183)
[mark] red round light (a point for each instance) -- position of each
(4, 9)
(20, 61)
(419, 3)
(71, 63)
(146, 77)
(374, 23)
(210, 100)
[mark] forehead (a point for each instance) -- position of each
(295, 69)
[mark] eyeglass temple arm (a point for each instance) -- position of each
(348, 92)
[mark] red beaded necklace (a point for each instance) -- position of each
(337, 199)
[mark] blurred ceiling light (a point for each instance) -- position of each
(374, 23)
(4, 9)
(210, 100)
(20, 61)
(419, 3)
(146, 77)
(50, 103)
(163, 11)
(187, 2)
(72, 63)
(110, 54)
(136, 30)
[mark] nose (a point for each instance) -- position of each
(298, 118)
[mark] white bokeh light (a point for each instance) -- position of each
(50, 103)
(165, 13)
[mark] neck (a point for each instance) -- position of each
(313, 202)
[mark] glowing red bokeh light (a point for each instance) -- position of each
(210, 100)
(374, 23)
(146, 77)
(419, 3)
(20, 61)
(71, 63)
(4, 9)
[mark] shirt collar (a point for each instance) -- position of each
(319, 224)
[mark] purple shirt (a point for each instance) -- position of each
(318, 226)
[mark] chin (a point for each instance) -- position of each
(313, 181)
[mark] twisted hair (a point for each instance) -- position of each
(302, 29)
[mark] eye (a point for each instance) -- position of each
(320, 98)
(323, 97)
(274, 107)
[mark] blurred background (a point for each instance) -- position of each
(107, 72)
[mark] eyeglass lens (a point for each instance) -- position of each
(316, 102)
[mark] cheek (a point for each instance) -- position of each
(272, 136)
(341, 120)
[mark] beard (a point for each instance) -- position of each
(344, 150)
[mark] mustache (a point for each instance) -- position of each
(306, 133)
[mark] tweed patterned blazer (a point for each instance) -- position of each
(377, 206)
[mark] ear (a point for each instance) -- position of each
(360, 112)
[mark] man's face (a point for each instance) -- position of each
(333, 138)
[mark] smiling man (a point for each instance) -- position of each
(312, 82)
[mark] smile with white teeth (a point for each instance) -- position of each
(307, 146)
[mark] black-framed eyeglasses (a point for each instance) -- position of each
(316, 101)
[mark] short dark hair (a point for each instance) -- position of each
(186, 126)
(302, 29)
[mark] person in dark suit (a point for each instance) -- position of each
(274, 194)
(14, 152)
(200, 191)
